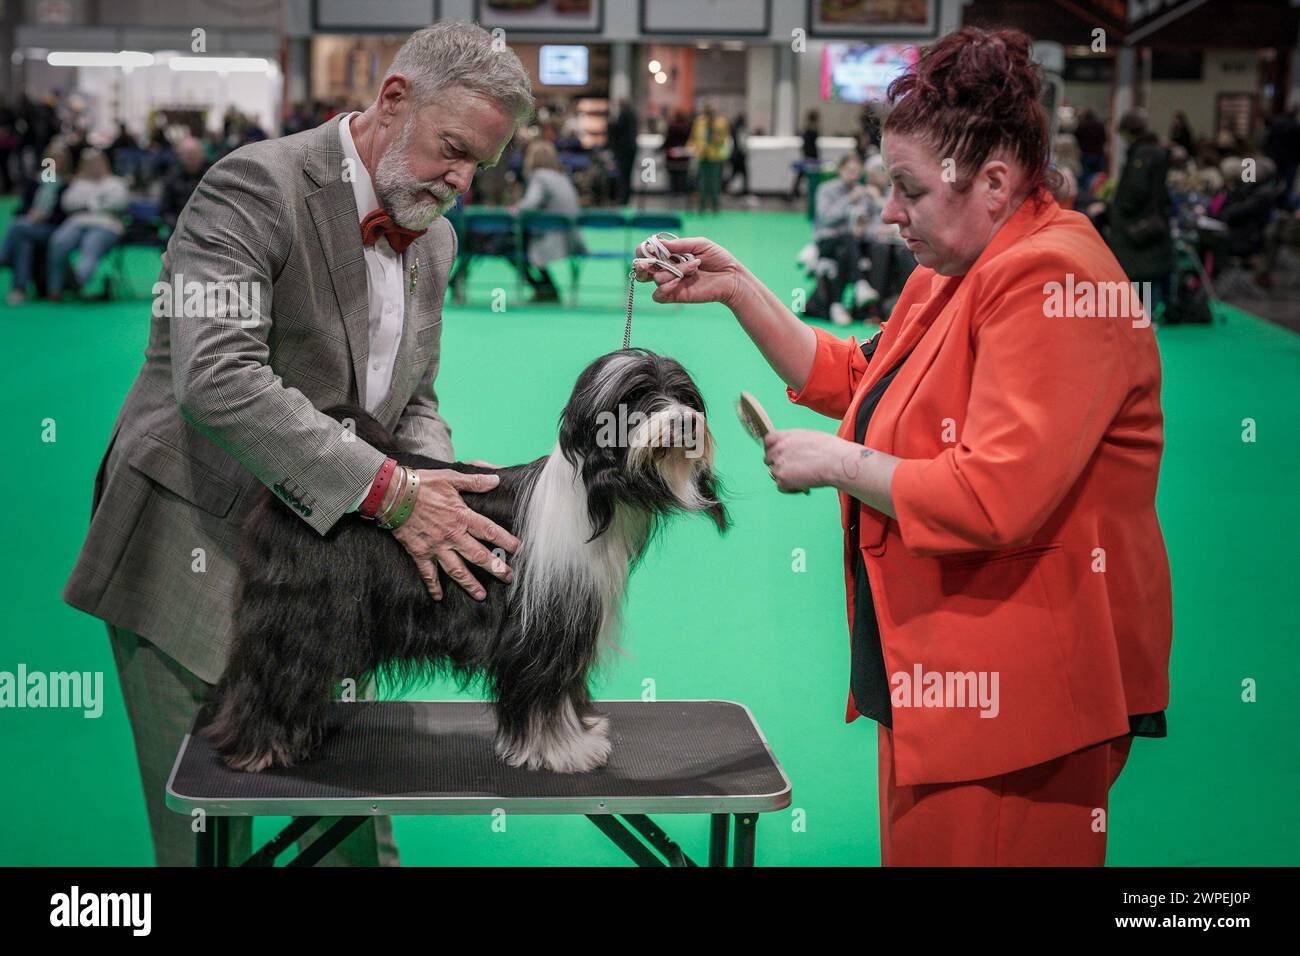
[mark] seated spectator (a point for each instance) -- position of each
(39, 214)
(548, 190)
(838, 226)
(182, 179)
(1246, 205)
(891, 262)
(93, 201)
(855, 248)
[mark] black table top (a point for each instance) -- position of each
(432, 757)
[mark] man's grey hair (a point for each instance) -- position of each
(451, 54)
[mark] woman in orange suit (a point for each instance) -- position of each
(997, 457)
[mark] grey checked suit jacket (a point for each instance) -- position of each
(218, 408)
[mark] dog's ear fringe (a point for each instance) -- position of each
(604, 479)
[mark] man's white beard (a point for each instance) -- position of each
(403, 199)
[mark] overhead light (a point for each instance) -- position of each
(661, 77)
(220, 64)
(88, 58)
(655, 66)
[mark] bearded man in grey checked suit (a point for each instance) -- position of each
(224, 403)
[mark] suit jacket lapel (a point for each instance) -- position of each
(334, 211)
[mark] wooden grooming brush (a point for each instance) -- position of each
(756, 421)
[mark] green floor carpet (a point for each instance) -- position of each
(738, 623)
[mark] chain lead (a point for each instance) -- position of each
(631, 290)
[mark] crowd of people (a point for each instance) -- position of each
(1231, 201)
(79, 197)
(1178, 203)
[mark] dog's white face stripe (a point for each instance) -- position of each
(609, 380)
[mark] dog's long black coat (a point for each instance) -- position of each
(322, 614)
(313, 611)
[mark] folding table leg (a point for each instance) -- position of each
(746, 823)
(268, 854)
(222, 827)
(205, 850)
(718, 838)
(212, 844)
(327, 841)
(622, 837)
(657, 838)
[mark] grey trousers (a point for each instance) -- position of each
(162, 698)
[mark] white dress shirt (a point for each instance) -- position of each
(384, 269)
(384, 279)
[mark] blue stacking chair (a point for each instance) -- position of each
(536, 223)
(594, 224)
(645, 224)
(144, 229)
(480, 230)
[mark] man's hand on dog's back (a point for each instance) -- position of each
(443, 529)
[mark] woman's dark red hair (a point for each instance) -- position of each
(971, 94)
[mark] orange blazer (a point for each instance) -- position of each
(1026, 544)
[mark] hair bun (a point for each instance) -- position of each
(972, 92)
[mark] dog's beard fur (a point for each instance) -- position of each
(313, 611)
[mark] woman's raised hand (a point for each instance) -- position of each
(714, 275)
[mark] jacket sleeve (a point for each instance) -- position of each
(838, 366)
(236, 228)
(421, 429)
(1043, 392)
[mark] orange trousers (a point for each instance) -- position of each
(1044, 815)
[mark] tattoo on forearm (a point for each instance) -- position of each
(850, 465)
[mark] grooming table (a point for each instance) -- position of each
(388, 758)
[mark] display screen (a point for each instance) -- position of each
(562, 66)
(859, 73)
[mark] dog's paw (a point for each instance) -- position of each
(574, 751)
(593, 748)
(249, 763)
(257, 760)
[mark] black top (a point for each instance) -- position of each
(867, 677)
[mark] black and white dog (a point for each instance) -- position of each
(634, 448)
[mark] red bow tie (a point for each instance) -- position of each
(378, 223)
